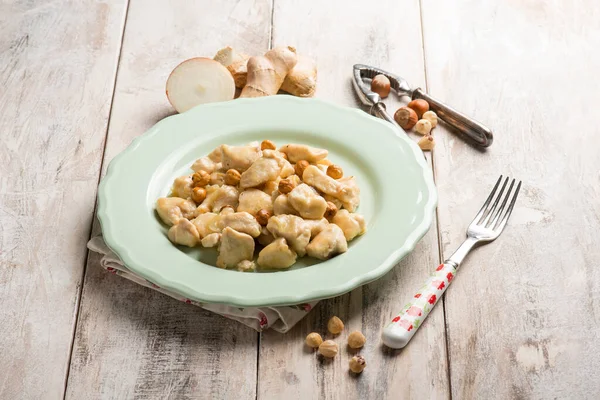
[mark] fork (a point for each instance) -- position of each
(485, 227)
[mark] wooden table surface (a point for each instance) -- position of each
(80, 79)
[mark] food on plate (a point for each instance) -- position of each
(335, 325)
(313, 340)
(420, 106)
(249, 202)
(198, 81)
(356, 340)
(357, 364)
(381, 85)
(328, 349)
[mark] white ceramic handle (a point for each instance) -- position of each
(402, 328)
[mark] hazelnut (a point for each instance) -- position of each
(330, 211)
(406, 117)
(335, 325)
(431, 117)
(267, 145)
(200, 178)
(420, 106)
(313, 340)
(381, 85)
(300, 167)
(198, 194)
(357, 364)
(335, 171)
(328, 348)
(286, 186)
(356, 340)
(423, 127)
(232, 177)
(262, 216)
(426, 143)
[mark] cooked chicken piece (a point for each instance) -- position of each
(227, 210)
(282, 205)
(328, 243)
(205, 164)
(182, 187)
(324, 161)
(338, 203)
(217, 178)
(184, 233)
(350, 193)
(261, 171)
(246, 266)
(265, 238)
(218, 197)
(254, 200)
(295, 179)
(172, 209)
(271, 186)
(293, 229)
(215, 155)
(307, 202)
(239, 157)
(216, 224)
(211, 240)
(235, 247)
(203, 223)
(322, 167)
(277, 255)
(287, 169)
(316, 226)
(297, 152)
(241, 222)
(352, 224)
(344, 189)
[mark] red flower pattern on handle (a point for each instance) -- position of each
(440, 267)
(432, 299)
(406, 324)
(414, 311)
(449, 276)
(396, 319)
(439, 285)
(417, 295)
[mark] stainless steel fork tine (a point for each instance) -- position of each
(504, 219)
(499, 211)
(487, 201)
(488, 214)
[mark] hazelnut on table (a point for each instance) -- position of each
(426, 143)
(335, 325)
(431, 117)
(381, 85)
(357, 364)
(406, 117)
(423, 127)
(356, 340)
(313, 340)
(420, 106)
(328, 349)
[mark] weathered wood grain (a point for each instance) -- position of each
(287, 370)
(57, 70)
(523, 312)
(132, 342)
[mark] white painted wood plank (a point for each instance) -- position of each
(132, 342)
(523, 312)
(339, 34)
(57, 70)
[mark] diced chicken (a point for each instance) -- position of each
(220, 196)
(246, 266)
(282, 205)
(261, 171)
(307, 202)
(328, 243)
(182, 187)
(297, 152)
(239, 157)
(215, 155)
(203, 223)
(205, 164)
(352, 224)
(241, 222)
(344, 189)
(266, 237)
(211, 240)
(235, 247)
(184, 233)
(293, 229)
(338, 203)
(287, 169)
(271, 186)
(322, 167)
(277, 255)
(324, 161)
(350, 193)
(172, 209)
(295, 179)
(254, 200)
(217, 178)
(316, 226)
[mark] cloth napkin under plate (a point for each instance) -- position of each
(280, 319)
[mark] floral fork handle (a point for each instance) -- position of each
(402, 328)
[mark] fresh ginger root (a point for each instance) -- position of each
(302, 80)
(267, 73)
(236, 63)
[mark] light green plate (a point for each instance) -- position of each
(398, 198)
